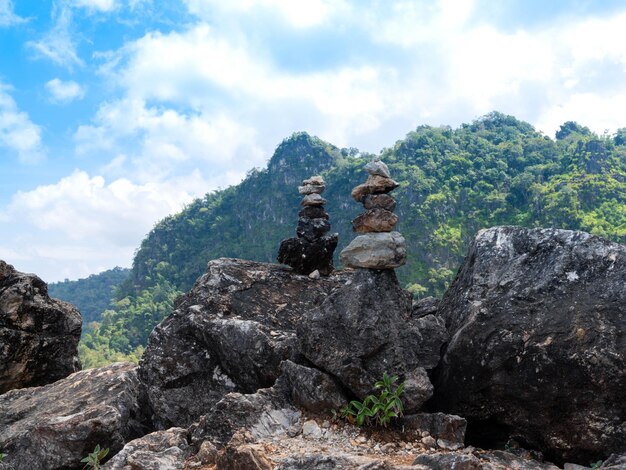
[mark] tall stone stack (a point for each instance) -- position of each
(313, 247)
(377, 246)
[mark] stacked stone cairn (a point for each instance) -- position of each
(311, 251)
(377, 246)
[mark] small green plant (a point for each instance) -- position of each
(2, 456)
(379, 409)
(93, 460)
(597, 464)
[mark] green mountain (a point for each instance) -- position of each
(91, 295)
(453, 182)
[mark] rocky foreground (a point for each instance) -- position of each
(527, 350)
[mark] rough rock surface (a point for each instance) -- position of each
(228, 334)
(39, 335)
(375, 184)
(375, 220)
(160, 450)
(305, 256)
(54, 426)
(311, 388)
(365, 329)
(537, 320)
(379, 201)
(311, 229)
(262, 414)
(384, 250)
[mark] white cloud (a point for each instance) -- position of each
(97, 5)
(58, 45)
(17, 132)
(297, 14)
(64, 92)
(7, 16)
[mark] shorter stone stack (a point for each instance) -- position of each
(312, 250)
(378, 246)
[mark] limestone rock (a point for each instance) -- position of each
(313, 200)
(160, 450)
(54, 426)
(315, 181)
(311, 388)
(440, 426)
(379, 201)
(378, 167)
(39, 335)
(385, 250)
(364, 330)
(375, 220)
(311, 189)
(425, 306)
(228, 334)
(305, 256)
(375, 184)
(312, 229)
(537, 319)
(313, 212)
(266, 413)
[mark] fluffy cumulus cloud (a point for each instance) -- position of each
(18, 134)
(64, 92)
(84, 223)
(193, 108)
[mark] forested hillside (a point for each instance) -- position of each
(91, 295)
(497, 170)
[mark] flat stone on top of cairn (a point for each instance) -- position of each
(378, 246)
(313, 247)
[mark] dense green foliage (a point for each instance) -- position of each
(91, 295)
(453, 182)
(122, 331)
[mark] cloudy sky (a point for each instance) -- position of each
(115, 113)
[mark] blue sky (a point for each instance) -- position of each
(116, 113)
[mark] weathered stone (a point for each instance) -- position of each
(364, 330)
(55, 426)
(39, 335)
(305, 256)
(378, 167)
(379, 201)
(244, 457)
(313, 212)
(615, 462)
(384, 250)
(313, 200)
(538, 351)
(450, 428)
(314, 180)
(375, 220)
(311, 388)
(312, 229)
(311, 189)
(266, 413)
(425, 306)
(375, 184)
(160, 450)
(229, 333)
(479, 460)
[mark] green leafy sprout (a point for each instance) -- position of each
(2, 456)
(93, 460)
(376, 409)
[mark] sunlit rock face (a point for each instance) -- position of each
(537, 321)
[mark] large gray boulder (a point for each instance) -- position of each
(537, 320)
(38, 335)
(230, 333)
(55, 426)
(365, 329)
